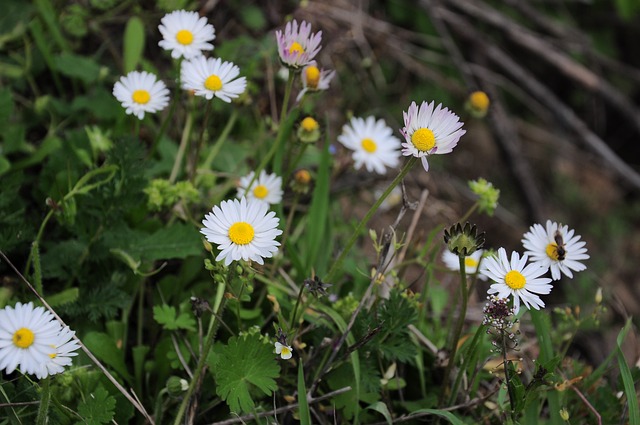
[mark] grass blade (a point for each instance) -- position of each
(627, 378)
(305, 415)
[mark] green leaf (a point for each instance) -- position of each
(627, 378)
(381, 408)
(5, 165)
(176, 241)
(166, 315)
(305, 415)
(243, 365)
(6, 106)
(75, 66)
(443, 414)
(63, 297)
(97, 408)
(105, 349)
(133, 43)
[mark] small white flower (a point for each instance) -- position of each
(471, 262)
(186, 34)
(430, 130)
(557, 248)
(372, 143)
(60, 354)
(314, 79)
(285, 351)
(516, 278)
(141, 92)
(242, 230)
(266, 188)
(298, 46)
(212, 77)
(28, 336)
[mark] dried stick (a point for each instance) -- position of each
(282, 409)
(89, 354)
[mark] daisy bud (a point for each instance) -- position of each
(309, 130)
(301, 181)
(564, 414)
(478, 104)
(463, 241)
(176, 386)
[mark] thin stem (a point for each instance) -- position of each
(221, 139)
(459, 325)
(295, 309)
(45, 400)
(193, 163)
(140, 311)
(172, 108)
(507, 378)
(470, 211)
(356, 233)
(184, 141)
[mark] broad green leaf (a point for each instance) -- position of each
(76, 66)
(5, 165)
(97, 408)
(167, 316)
(443, 414)
(176, 241)
(133, 43)
(627, 378)
(105, 349)
(243, 364)
(303, 404)
(382, 408)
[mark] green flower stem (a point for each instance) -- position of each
(45, 400)
(459, 325)
(292, 323)
(208, 343)
(335, 268)
(470, 211)
(468, 357)
(184, 141)
(280, 135)
(221, 139)
(140, 311)
(507, 378)
(285, 234)
(174, 101)
(193, 158)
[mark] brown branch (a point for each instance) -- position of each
(282, 409)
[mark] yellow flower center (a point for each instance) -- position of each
(285, 351)
(184, 37)
(515, 280)
(312, 73)
(552, 251)
(369, 145)
(309, 124)
(479, 100)
(213, 83)
(141, 96)
(296, 48)
(470, 262)
(53, 355)
(423, 139)
(260, 191)
(241, 233)
(23, 338)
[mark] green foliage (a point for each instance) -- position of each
(133, 43)
(169, 319)
(242, 366)
(98, 408)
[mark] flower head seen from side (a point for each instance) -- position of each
(297, 45)
(266, 188)
(516, 278)
(28, 336)
(430, 130)
(471, 262)
(60, 354)
(186, 34)
(212, 77)
(555, 247)
(242, 229)
(314, 79)
(141, 92)
(372, 143)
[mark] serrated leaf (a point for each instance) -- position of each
(97, 408)
(63, 297)
(242, 365)
(75, 66)
(167, 316)
(133, 43)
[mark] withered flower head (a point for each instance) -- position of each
(316, 286)
(465, 240)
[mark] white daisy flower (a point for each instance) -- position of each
(28, 336)
(266, 188)
(212, 77)
(242, 229)
(430, 130)
(285, 351)
(557, 248)
(60, 354)
(471, 262)
(186, 34)
(298, 46)
(516, 278)
(314, 79)
(372, 143)
(141, 92)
